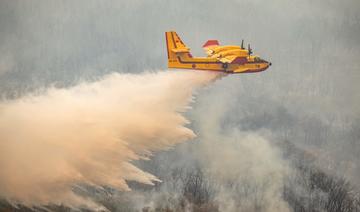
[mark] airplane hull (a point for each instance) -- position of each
(211, 65)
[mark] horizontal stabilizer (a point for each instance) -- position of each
(181, 50)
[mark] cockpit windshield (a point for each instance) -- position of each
(258, 59)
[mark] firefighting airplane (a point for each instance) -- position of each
(228, 59)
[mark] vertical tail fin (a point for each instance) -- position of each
(175, 48)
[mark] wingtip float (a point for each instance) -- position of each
(228, 59)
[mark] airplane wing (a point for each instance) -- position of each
(225, 54)
(181, 50)
(219, 51)
(230, 54)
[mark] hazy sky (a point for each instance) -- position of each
(51, 41)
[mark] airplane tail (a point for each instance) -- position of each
(176, 49)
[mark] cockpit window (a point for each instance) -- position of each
(258, 59)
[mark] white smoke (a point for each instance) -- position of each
(90, 133)
(247, 171)
(227, 169)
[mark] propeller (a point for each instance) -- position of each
(250, 50)
(242, 44)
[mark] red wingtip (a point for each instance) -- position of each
(211, 43)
